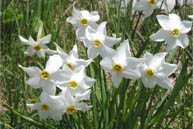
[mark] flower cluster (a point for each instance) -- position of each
(67, 71)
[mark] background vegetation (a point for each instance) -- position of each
(131, 106)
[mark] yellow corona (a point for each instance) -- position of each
(117, 68)
(84, 22)
(97, 43)
(45, 75)
(71, 109)
(149, 73)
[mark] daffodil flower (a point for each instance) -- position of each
(82, 19)
(48, 106)
(76, 81)
(155, 71)
(121, 64)
(98, 42)
(147, 6)
(72, 59)
(173, 31)
(37, 47)
(46, 78)
(74, 104)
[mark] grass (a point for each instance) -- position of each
(131, 106)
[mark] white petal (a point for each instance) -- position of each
(87, 43)
(140, 5)
(74, 51)
(43, 115)
(132, 62)
(148, 12)
(31, 71)
(33, 106)
(141, 68)
(190, 16)
(44, 97)
(75, 12)
(84, 96)
(50, 52)
(89, 81)
(54, 63)
(148, 55)
(110, 41)
(175, 18)
(94, 16)
(84, 13)
(183, 41)
(186, 27)
(149, 83)
(41, 53)
(156, 60)
(45, 39)
(160, 36)
(93, 25)
(31, 41)
(56, 116)
(121, 56)
(164, 83)
(102, 28)
(106, 51)
(125, 45)
(166, 69)
(59, 76)
(92, 52)
(90, 33)
(131, 74)
(83, 107)
(34, 82)
(164, 21)
(80, 33)
(24, 41)
(116, 79)
(175, 22)
(107, 64)
(48, 87)
(30, 51)
(171, 43)
(84, 62)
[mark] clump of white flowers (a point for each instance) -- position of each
(67, 72)
(72, 81)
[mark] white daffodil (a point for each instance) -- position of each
(155, 71)
(73, 104)
(72, 60)
(48, 106)
(147, 6)
(121, 64)
(82, 19)
(190, 16)
(173, 31)
(46, 78)
(37, 47)
(98, 42)
(76, 81)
